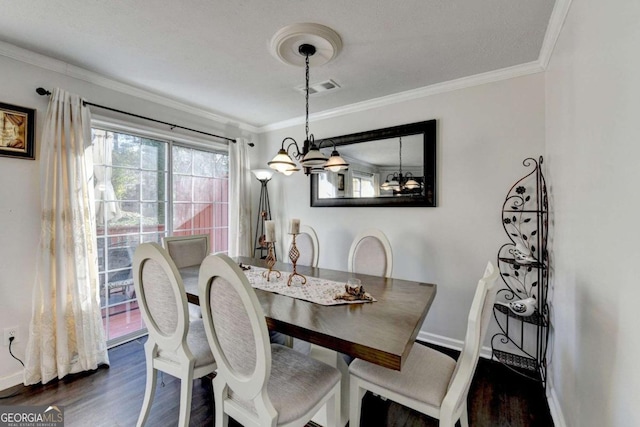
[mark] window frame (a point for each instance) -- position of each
(171, 139)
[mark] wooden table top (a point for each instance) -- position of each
(381, 332)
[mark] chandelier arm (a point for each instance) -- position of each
(293, 143)
(329, 140)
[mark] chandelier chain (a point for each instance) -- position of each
(400, 158)
(306, 117)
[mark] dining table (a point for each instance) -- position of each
(381, 332)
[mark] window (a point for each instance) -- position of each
(363, 185)
(146, 189)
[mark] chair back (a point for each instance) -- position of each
(187, 251)
(371, 254)
(479, 318)
(236, 327)
(161, 297)
(308, 246)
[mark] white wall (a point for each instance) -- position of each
(593, 149)
(484, 133)
(20, 192)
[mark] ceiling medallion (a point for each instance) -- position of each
(285, 44)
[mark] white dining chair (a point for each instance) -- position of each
(188, 251)
(370, 253)
(175, 345)
(308, 246)
(430, 381)
(257, 383)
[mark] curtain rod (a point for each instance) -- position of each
(43, 92)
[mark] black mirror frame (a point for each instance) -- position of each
(428, 131)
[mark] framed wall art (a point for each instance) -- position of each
(17, 131)
(340, 182)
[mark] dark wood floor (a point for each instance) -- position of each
(113, 397)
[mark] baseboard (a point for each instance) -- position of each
(11, 380)
(447, 342)
(554, 405)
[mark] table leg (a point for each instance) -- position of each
(335, 359)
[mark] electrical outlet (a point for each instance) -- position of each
(11, 332)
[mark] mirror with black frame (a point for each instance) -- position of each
(394, 166)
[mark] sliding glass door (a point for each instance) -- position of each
(146, 189)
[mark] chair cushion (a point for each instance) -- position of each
(296, 384)
(370, 257)
(197, 343)
(187, 252)
(424, 377)
(233, 328)
(160, 298)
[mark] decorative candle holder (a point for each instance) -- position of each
(294, 254)
(271, 261)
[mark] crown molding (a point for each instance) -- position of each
(556, 22)
(61, 67)
(452, 85)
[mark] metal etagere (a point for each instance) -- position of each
(522, 341)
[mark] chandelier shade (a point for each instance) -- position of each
(313, 158)
(412, 184)
(336, 163)
(282, 162)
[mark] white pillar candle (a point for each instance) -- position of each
(270, 231)
(294, 226)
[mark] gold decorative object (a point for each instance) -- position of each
(271, 261)
(294, 254)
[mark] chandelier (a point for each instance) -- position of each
(310, 157)
(399, 182)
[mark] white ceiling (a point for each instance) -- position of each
(214, 55)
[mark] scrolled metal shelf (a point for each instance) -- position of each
(513, 261)
(521, 342)
(535, 318)
(523, 362)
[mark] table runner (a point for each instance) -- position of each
(316, 290)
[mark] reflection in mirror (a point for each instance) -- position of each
(383, 168)
(388, 167)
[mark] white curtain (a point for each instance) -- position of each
(102, 155)
(239, 199)
(66, 332)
